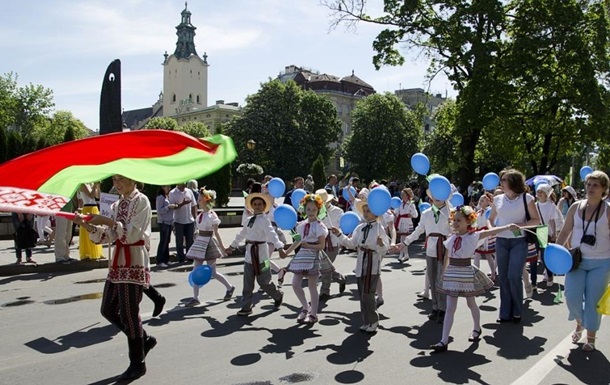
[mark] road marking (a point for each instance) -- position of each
(544, 366)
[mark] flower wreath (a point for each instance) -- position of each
(317, 200)
(208, 197)
(468, 213)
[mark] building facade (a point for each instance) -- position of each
(342, 92)
(411, 97)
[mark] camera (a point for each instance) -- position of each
(588, 239)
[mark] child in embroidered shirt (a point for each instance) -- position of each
(372, 243)
(403, 222)
(460, 278)
(257, 233)
(309, 261)
(208, 246)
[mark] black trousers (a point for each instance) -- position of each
(121, 306)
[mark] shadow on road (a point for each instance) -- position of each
(454, 367)
(78, 339)
(588, 367)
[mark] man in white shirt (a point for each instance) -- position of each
(183, 202)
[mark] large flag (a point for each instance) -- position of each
(42, 182)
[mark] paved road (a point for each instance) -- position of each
(52, 333)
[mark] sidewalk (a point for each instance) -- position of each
(45, 258)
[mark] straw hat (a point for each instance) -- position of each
(266, 198)
(326, 197)
(360, 207)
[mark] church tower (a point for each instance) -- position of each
(185, 74)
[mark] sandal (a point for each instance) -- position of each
(577, 335)
(280, 276)
(302, 316)
(311, 319)
(475, 335)
(589, 346)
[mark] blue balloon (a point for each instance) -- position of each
(395, 202)
(201, 275)
(276, 187)
(424, 206)
(420, 163)
(557, 258)
(285, 216)
(487, 212)
(379, 200)
(440, 188)
(586, 170)
(491, 181)
(457, 199)
(348, 222)
(346, 194)
(296, 197)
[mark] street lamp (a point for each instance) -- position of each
(250, 145)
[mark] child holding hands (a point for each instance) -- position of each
(460, 278)
(372, 243)
(208, 246)
(309, 261)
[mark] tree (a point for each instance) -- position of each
(8, 105)
(317, 172)
(69, 135)
(440, 145)
(3, 145)
(384, 137)
(56, 130)
(195, 129)
(461, 38)
(33, 105)
(291, 127)
(162, 123)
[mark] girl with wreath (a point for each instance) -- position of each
(310, 260)
(208, 246)
(459, 277)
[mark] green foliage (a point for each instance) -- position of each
(58, 128)
(162, 123)
(317, 172)
(69, 135)
(3, 145)
(440, 146)
(532, 75)
(384, 137)
(33, 105)
(291, 127)
(194, 129)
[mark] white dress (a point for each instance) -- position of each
(205, 247)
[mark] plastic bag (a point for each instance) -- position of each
(603, 306)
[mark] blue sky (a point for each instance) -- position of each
(66, 45)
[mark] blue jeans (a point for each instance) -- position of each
(510, 255)
(184, 230)
(584, 288)
(165, 233)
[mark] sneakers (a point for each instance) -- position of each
(278, 302)
(403, 259)
(423, 295)
(163, 265)
(372, 328)
(244, 312)
(192, 303)
(229, 294)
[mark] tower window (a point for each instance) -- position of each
(191, 74)
(198, 99)
(174, 98)
(190, 97)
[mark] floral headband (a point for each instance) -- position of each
(315, 199)
(467, 212)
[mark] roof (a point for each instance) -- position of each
(356, 80)
(131, 118)
(323, 78)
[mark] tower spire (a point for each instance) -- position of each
(185, 46)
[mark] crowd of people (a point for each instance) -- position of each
(492, 226)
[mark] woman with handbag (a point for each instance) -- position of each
(514, 205)
(588, 226)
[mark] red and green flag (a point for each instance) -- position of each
(42, 182)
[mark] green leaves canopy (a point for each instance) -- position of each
(384, 137)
